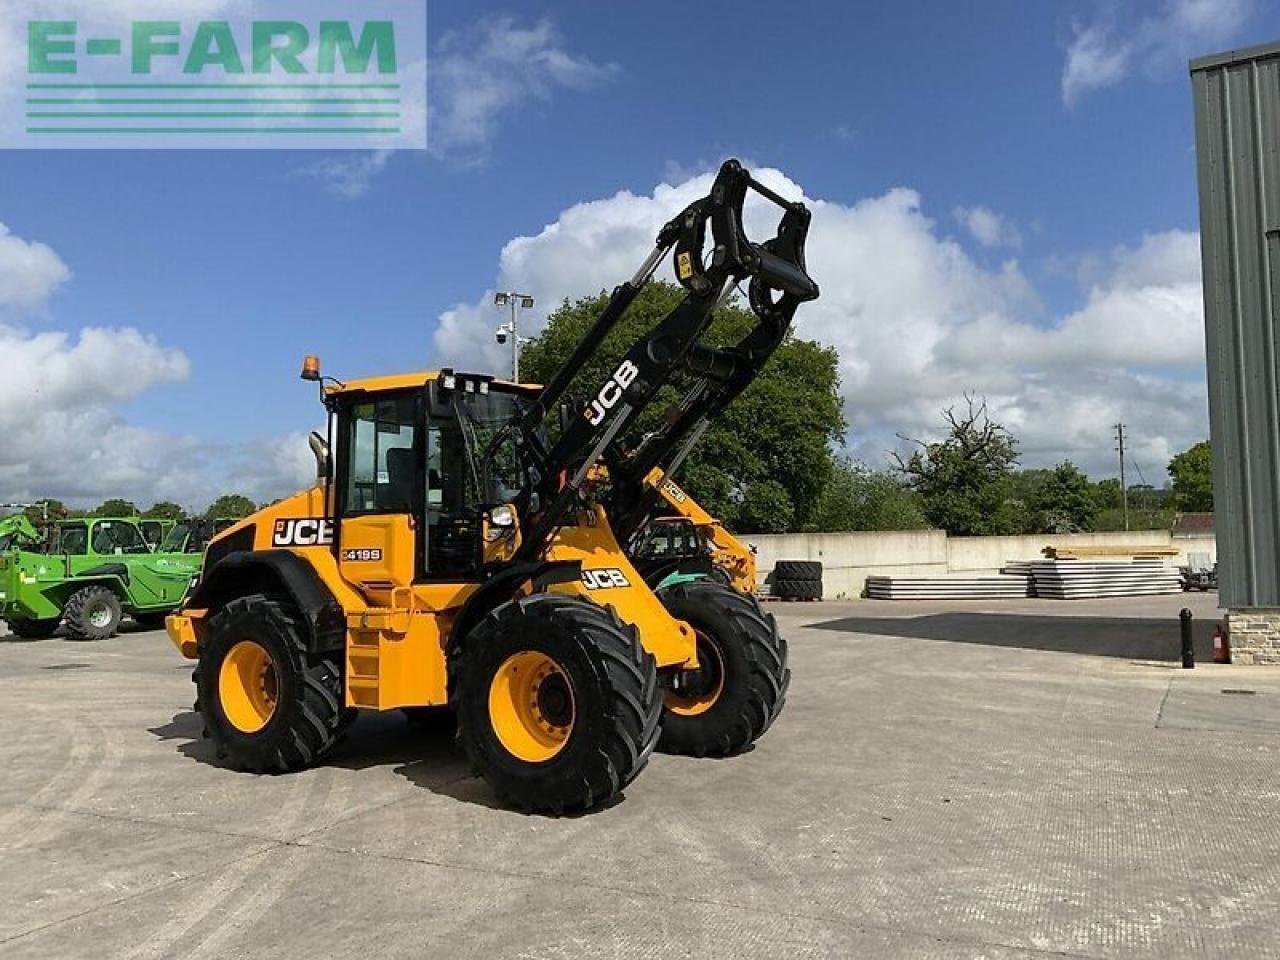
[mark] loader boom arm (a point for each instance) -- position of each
(778, 284)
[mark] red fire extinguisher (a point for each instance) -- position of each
(1221, 645)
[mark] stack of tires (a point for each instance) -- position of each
(797, 580)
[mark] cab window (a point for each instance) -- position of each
(118, 538)
(381, 471)
(73, 540)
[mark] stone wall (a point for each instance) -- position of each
(1255, 635)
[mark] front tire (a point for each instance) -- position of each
(557, 703)
(741, 683)
(92, 613)
(267, 703)
(33, 629)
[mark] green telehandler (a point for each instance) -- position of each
(93, 573)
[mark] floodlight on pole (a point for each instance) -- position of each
(511, 329)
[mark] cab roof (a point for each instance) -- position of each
(408, 381)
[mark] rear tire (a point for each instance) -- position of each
(720, 575)
(741, 684)
(797, 570)
(33, 629)
(150, 620)
(268, 705)
(797, 589)
(593, 702)
(92, 613)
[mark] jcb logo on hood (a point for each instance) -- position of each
(605, 578)
(302, 532)
(611, 392)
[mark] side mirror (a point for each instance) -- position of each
(320, 450)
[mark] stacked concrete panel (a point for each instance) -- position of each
(1086, 579)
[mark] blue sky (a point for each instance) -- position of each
(1066, 127)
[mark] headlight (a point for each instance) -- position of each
(501, 521)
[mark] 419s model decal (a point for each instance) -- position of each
(362, 554)
(302, 532)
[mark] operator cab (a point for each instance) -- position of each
(672, 545)
(106, 538)
(671, 538)
(436, 452)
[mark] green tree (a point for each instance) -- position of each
(115, 508)
(766, 508)
(1192, 474)
(231, 505)
(764, 462)
(964, 480)
(57, 511)
(1064, 501)
(1107, 494)
(859, 498)
(165, 510)
(1023, 489)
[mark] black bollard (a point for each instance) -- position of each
(1188, 647)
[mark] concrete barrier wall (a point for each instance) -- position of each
(849, 558)
(989, 554)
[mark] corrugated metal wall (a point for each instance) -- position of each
(1237, 111)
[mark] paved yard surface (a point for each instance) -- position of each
(998, 780)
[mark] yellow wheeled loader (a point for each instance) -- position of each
(452, 554)
(683, 540)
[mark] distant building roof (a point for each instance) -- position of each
(1192, 525)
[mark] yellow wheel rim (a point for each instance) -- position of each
(248, 687)
(697, 691)
(531, 706)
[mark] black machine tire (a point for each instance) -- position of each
(720, 575)
(33, 629)
(92, 613)
(307, 717)
(797, 570)
(797, 589)
(752, 659)
(150, 619)
(615, 703)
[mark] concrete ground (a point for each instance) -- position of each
(997, 780)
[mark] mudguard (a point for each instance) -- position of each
(503, 586)
(247, 571)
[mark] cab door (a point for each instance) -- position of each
(381, 493)
(394, 657)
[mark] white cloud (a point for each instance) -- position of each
(30, 272)
(352, 173)
(988, 227)
(61, 430)
(917, 322)
(477, 76)
(348, 176)
(57, 402)
(488, 70)
(64, 436)
(1105, 51)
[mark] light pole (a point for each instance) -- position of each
(511, 328)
